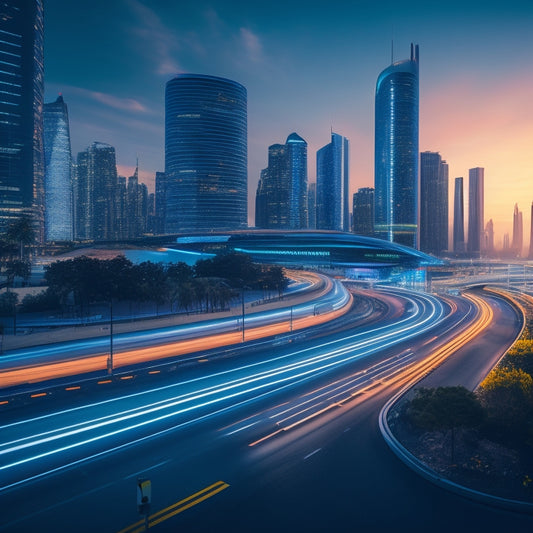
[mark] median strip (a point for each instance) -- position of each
(177, 507)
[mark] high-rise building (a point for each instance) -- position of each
(396, 152)
(518, 231)
(21, 106)
(57, 172)
(458, 218)
(281, 198)
(489, 238)
(363, 211)
(96, 193)
(332, 185)
(433, 203)
(311, 205)
(476, 222)
(530, 256)
(160, 202)
(205, 154)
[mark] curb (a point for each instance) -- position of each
(430, 475)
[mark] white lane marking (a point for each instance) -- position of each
(146, 469)
(312, 453)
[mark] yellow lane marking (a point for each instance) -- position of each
(177, 507)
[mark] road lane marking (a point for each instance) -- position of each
(177, 507)
(146, 469)
(312, 453)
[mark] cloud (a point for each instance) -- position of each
(126, 104)
(252, 45)
(155, 39)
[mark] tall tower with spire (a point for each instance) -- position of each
(396, 152)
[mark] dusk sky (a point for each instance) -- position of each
(308, 66)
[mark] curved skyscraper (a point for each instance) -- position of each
(205, 154)
(396, 152)
(57, 172)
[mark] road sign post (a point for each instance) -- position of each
(144, 499)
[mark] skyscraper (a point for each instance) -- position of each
(281, 198)
(160, 202)
(363, 212)
(205, 154)
(297, 158)
(21, 106)
(530, 256)
(57, 172)
(332, 185)
(433, 203)
(476, 222)
(518, 231)
(489, 238)
(96, 193)
(311, 205)
(396, 152)
(458, 217)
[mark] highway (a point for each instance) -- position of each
(284, 438)
(34, 364)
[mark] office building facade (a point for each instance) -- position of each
(518, 231)
(57, 172)
(433, 203)
(396, 152)
(459, 245)
(205, 154)
(21, 107)
(332, 185)
(96, 187)
(476, 202)
(363, 211)
(281, 197)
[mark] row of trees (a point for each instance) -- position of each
(501, 408)
(210, 285)
(14, 250)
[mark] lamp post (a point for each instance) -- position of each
(110, 358)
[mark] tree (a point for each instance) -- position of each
(21, 232)
(507, 396)
(445, 408)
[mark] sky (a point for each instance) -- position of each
(309, 67)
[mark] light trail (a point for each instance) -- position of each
(29, 445)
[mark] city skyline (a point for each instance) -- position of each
(473, 83)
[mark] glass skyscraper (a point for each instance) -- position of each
(332, 185)
(21, 106)
(363, 211)
(458, 217)
(396, 152)
(281, 198)
(205, 154)
(57, 172)
(476, 202)
(433, 203)
(95, 193)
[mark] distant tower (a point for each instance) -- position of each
(476, 223)
(396, 152)
(281, 197)
(531, 235)
(332, 185)
(458, 218)
(506, 245)
(489, 236)
(363, 212)
(311, 205)
(96, 191)
(433, 203)
(57, 172)
(160, 202)
(518, 232)
(21, 106)
(205, 154)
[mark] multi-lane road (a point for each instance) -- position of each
(283, 437)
